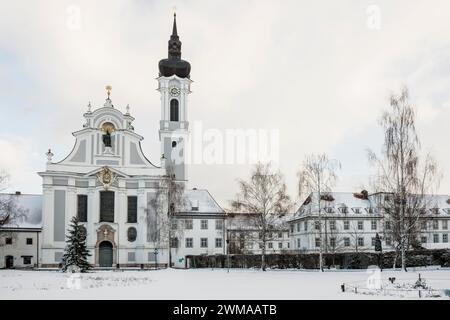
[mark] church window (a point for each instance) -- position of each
(132, 234)
(132, 209)
(82, 207)
(106, 206)
(174, 110)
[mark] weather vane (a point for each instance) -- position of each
(108, 90)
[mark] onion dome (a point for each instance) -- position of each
(174, 65)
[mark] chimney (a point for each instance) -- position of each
(18, 193)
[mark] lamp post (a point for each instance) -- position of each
(228, 251)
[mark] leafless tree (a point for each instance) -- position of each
(317, 177)
(242, 232)
(10, 211)
(335, 243)
(161, 213)
(355, 233)
(264, 196)
(403, 175)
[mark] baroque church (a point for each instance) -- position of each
(109, 183)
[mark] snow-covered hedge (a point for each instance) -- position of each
(360, 260)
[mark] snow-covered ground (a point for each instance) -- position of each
(205, 284)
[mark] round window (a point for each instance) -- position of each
(132, 234)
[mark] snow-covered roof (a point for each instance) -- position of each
(200, 201)
(340, 199)
(25, 208)
(356, 200)
(248, 221)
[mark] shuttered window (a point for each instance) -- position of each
(82, 207)
(106, 206)
(132, 209)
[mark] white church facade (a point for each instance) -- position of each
(117, 193)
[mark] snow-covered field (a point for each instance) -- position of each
(206, 284)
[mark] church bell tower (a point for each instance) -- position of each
(174, 85)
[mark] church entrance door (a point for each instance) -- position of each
(105, 254)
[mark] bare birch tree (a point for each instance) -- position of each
(161, 214)
(317, 177)
(265, 197)
(10, 211)
(355, 234)
(403, 176)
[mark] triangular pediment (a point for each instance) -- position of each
(101, 169)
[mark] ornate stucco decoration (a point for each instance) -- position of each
(106, 177)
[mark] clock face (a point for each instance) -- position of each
(174, 91)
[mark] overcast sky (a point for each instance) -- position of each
(318, 71)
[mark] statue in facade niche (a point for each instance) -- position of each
(107, 139)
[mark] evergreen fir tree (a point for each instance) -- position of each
(76, 253)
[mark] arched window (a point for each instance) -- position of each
(174, 112)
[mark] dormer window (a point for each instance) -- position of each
(434, 210)
(329, 210)
(357, 210)
(370, 210)
(194, 206)
(343, 209)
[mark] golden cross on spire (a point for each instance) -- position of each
(174, 8)
(108, 90)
